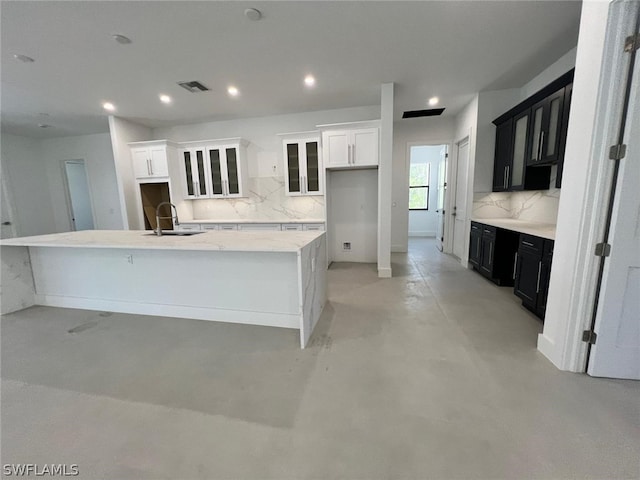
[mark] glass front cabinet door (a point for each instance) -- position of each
(194, 172)
(302, 166)
(215, 171)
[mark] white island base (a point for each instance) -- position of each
(261, 278)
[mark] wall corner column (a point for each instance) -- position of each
(385, 171)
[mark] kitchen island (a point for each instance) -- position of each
(260, 278)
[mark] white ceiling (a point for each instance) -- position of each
(451, 49)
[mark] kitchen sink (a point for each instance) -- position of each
(185, 233)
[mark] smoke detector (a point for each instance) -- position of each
(193, 86)
(253, 14)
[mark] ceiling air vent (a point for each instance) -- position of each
(423, 113)
(193, 87)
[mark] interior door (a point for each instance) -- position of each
(79, 196)
(7, 229)
(441, 192)
(459, 213)
(616, 352)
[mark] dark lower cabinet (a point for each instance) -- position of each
(492, 251)
(532, 271)
(475, 244)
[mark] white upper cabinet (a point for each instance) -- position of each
(214, 170)
(150, 159)
(351, 148)
(303, 165)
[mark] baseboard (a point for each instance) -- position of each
(398, 249)
(268, 319)
(422, 234)
(384, 273)
(547, 348)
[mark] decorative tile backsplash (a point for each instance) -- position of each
(532, 206)
(266, 201)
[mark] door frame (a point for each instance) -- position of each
(561, 339)
(7, 198)
(452, 183)
(407, 163)
(67, 192)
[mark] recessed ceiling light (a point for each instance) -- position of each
(43, 125)
(110, 107)
(433, 101)
(121, 39)
(23, 58)
(253, 14)
(233, 91)
(309, 81)
(165, 98)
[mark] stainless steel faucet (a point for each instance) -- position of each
(158, 217)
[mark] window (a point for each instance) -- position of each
(419, 186)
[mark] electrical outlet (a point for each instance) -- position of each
(346, 245)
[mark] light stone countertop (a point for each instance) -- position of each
(230, 241)
(242, 220)
(544, 230)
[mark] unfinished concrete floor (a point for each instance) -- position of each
(431, 374)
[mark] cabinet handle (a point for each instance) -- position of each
(541, 145)
(515, 263)
(350, 154)
(527, 244)
(504, 178)
(478, 248)
(539, 272)
(490, 253)
(150, 167)
(353, 154)
(508, 174)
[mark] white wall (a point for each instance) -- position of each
(27, 184)
(549, 74)
(385, 180)
(423, 223)
(265, 162)
(97, 154)
(490, 106)
(353, 215)
(428, 131)
(122, 132)
(572, 273)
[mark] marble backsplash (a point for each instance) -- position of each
(532, 206)
(266, 201)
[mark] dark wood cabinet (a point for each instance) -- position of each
(487, 250)
(491, 252)
(563, 133)
(475, 244)
(532, 272)
(546, 126)
(530, 138)
(502, 159)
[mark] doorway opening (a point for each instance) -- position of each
(152, 195)
(427, 167)
(459, 199)
(78, 195)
